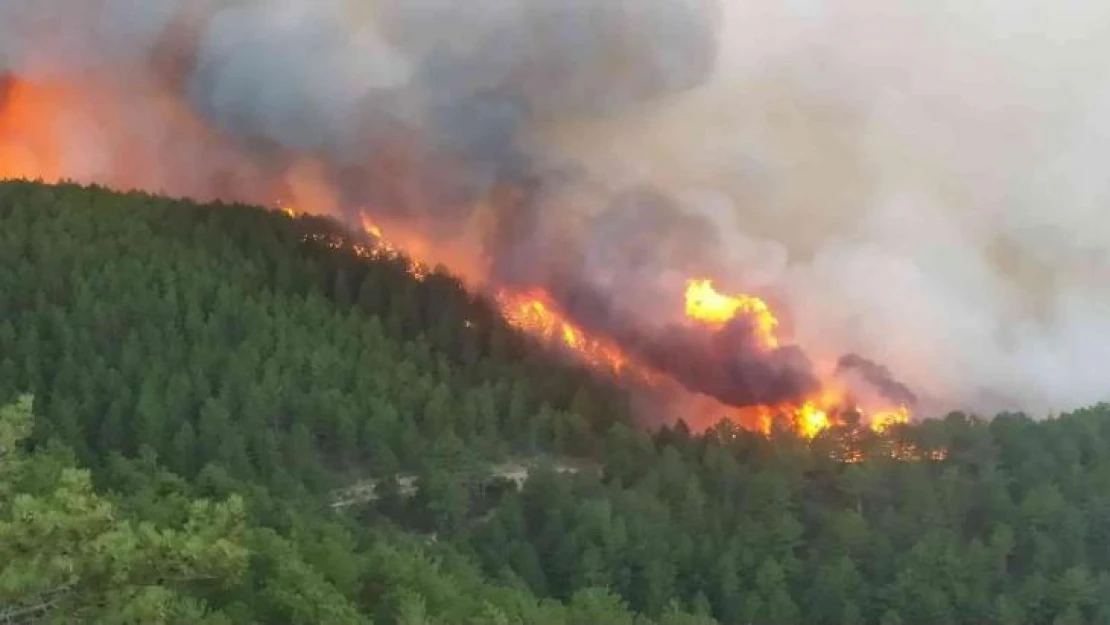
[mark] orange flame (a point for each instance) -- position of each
(885, 420)
(706, 305)
(372, 228)
(383, 248)
(536, 314)
(811, 419)
(53, 130)
(425, 254)
(811, 416)
(26, 150)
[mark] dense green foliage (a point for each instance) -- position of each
(189, 355)
(69, 552)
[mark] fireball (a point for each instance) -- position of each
(705, 305)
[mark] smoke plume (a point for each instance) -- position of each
(918, 185)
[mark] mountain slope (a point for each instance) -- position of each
(236, 348)
(190, 352)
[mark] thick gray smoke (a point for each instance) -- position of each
(921, 184)
(917, 184)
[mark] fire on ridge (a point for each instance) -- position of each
(538, 314)
(31, 147)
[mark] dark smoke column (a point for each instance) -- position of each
(877, 376)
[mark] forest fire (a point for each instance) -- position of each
(809, 416)
(726, 347)
(815, 415)
(539, 315)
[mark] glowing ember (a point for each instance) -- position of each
(382, 248)
(704, 304)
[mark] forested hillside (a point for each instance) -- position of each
(208, 380)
